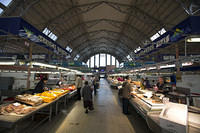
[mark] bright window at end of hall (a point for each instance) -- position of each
(97, 60)
(5, 2)
(88, 63)
(102, 60)
(113, 60)
(162, 31)
(154, 37)
(117, 65)
(1, 10)
(92, 62)
(108, 59)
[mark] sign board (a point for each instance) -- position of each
(18, 26)
(187, 27)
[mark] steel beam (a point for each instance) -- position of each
(2, 6)
(126, 40)
(123, 8)
(90, 42)
(103, 47)
(90, 24)
(28, 6)
(100, 46)
(135, 11)
(73, 11)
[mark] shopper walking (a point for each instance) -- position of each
(126, 87)
(86, 93)
(95, 85)
(79, 86)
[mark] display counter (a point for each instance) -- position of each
(12, 120)
(151, 112)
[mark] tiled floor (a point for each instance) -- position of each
(106, 118)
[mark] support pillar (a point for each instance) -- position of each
(178, 72)
(99, 60)
(29, 67)
(110, 59)
(90, 63)
(106, 60)
(94, 61)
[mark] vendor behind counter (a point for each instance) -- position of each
(40, 87)
(161, 86)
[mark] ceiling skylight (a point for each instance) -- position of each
(154, 37)
(162, 31)
(5, 2)
(50, 34)
(158, 34)
(1, 10)
(69, 49)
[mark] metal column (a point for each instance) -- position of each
(115, 63)
(90, 63)
(106, 59)
(110, 59)
(94, 61)
(99, 60)
(29, 67)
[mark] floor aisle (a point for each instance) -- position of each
(106, 118)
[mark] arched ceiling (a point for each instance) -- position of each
(116, 27)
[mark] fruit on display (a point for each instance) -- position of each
(47, 99)
(49, 94)
(70, 88)
(59, 92)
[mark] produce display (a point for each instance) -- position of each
(59, 92)
(137, 83)
(15, 109)
(29, 99)
(49, 96)
(70, 88)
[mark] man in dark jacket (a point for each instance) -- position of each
(40, 86)
(86, 93)
(126, 87)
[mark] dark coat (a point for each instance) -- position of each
(86, 93)
(39, 87)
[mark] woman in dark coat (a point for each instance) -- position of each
(39, 88)
(86, 93)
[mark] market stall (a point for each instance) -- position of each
(152, 109)
(29, 105)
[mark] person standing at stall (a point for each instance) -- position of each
(126, 87)
(160, 85)
(79, 86)
(40, 87)
(86, 93)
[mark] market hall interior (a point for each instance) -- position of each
(107, 117)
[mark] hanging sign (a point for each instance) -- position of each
(18, 26)
(187, 27)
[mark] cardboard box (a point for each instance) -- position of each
(174, 117)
